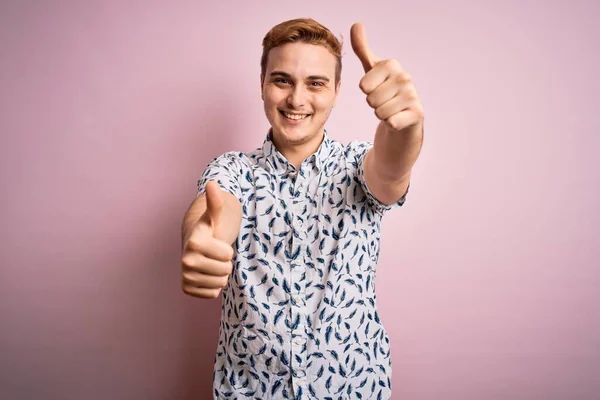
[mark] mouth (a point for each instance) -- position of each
(294, 117)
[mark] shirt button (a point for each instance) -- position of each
(297, 299)
(298, 341)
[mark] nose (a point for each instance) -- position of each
(297, 97)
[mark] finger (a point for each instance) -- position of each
(404, 119)
(358, 40)
(391, 107)
(197, 262)
(375, 77)
(204, 281)
(209, 247)
(383, 93)
(406, 100)
(214, 200)
(203, 293)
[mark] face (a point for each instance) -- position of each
(299, 91)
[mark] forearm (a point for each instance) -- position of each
(395, 153)
(232, 217)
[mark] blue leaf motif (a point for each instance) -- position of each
(275, 388)
(286, 287)
(278, 315)
(283, 358)
(328, 263)
(277, 248)
(320, 372)
(262, 349)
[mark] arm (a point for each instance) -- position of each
(388, 164)
(399, 136)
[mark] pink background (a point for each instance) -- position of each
(489, 276)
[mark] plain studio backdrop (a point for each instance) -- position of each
(110, 110)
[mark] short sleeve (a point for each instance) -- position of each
(358, 151)
(225, 170)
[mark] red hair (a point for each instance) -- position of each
(305, 30)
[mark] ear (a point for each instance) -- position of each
(262, 81)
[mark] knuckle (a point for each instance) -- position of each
(371, 100)
(223, 281)
(192, 260)
(186, 260)
(395, 123)
(193, 242)
(412, 96)
(187, 290)
(419, 111)
(187, 278)
(403, 77)
(362, 85)
(391, 62)
(230, 252)
(229, 268)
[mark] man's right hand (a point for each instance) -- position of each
(207, 260)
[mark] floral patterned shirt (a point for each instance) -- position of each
(299, 314)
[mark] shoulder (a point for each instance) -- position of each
(357, 148)
(350, 154)
(235, 161)
(230, 156)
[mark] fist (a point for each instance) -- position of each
(206, 260)
(389, 88)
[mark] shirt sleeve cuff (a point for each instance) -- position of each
(378, 205)
(224, 171)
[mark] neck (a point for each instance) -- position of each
(297, 153)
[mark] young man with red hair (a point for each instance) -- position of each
(290, 232)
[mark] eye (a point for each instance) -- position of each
(281, 80)
(316, 84)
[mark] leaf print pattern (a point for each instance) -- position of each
(299, 314)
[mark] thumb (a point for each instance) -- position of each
(358, 39)
(214, 201)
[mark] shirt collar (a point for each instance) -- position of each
(279, 164)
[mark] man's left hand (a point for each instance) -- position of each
(389, 88)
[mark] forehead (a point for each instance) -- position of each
(301, 59)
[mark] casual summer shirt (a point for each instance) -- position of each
(299, 314)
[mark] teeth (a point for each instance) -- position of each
(295, 116)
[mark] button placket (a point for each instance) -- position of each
(298, 306)
(297, 302)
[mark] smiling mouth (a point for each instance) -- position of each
(294, 117)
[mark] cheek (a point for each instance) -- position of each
(273, 98)
(323, 103)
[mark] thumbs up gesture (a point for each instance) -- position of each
(206, 259)
(389, 88)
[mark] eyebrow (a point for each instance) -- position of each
(310, 78)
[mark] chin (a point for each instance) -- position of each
(297, 136)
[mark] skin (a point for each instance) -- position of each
(392, 95)
(211, 226)
(300, 79)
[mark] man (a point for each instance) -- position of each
(290, 231)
